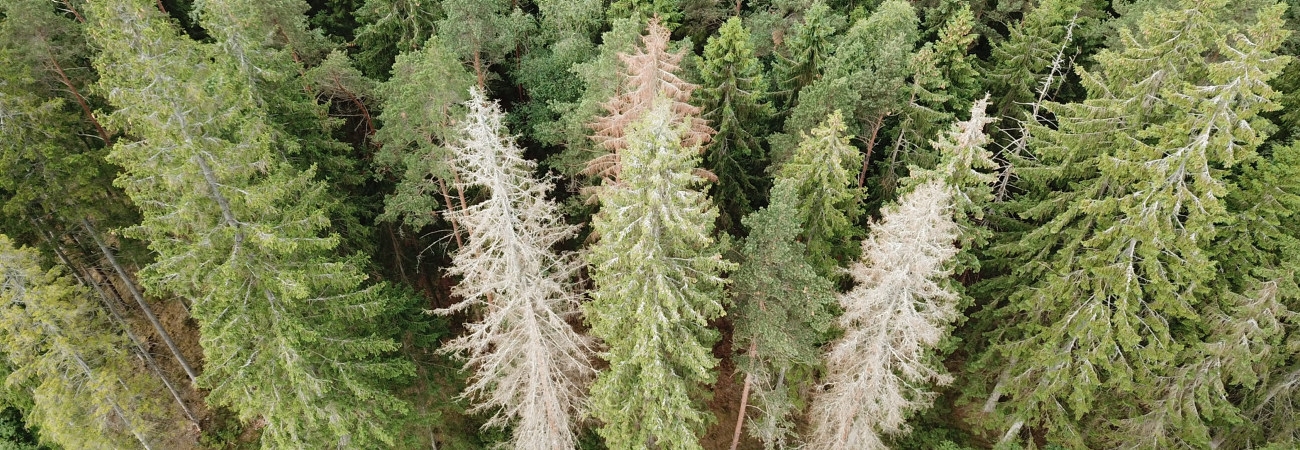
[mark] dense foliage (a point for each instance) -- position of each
(662, 224)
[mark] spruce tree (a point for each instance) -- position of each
(239, 232)
(1259, 294)
(897, 314)
(829, 203)
(966, 167)
(734, 101)
(1118, 289)
(942, 75)
(648, 76)
(782, 312)
(806, 48)
(530, 365)
(87, 391)
(656, 270)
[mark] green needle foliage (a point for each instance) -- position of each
(829, 203)
(807, 47)
(239, 232)
(88, 391)
(656, 270)
(782, 312)
(1114, 290)
(866, 77)
(734, 101)
(421, 102)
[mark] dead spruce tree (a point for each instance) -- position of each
(649, 76)
(527, 360)
(898, 312)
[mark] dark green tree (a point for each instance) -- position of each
(782, 312)
(734, 100)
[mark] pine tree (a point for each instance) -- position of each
(1118, 295)
(828, 202)
(648, 75)
(482, 32)
(421, 101)
(866, 77)
(238, 232)
(528, 361)
(942, 75)
(734, 100)
(657, 280)
(896, 315)
(86, 391)
(782, 312)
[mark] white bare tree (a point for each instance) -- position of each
(881, 369)
(527, 360)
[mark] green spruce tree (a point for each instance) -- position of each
(656, 270)
(734, 100)
(829, 203)
(239, 232)
(1115, 289)
(86, 389)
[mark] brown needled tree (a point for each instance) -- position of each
(649, 72)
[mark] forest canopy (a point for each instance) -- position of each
(650, 224)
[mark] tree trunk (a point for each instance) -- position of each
(744, 393)
(117, 317)
(139, 300)
(871, 144)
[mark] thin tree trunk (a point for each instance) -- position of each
(68, 5)
(478, 71)
(85, 368)
(160, 7)
(397, 253)
(871, 145)
(81, 101)
(365, 113)
(85, 280)
(744, 392)
(139, 300)
(455, 229)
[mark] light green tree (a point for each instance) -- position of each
(1117, 310)
(239, 232)
(656, 270)
(828, 201)
(87, 391)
